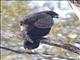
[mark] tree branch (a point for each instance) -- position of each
(66, 46)
(16, 51)
(45, 55)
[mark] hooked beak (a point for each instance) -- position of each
(57, 16)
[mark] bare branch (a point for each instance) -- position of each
(16, 51)
(66, 46)
(45, 55)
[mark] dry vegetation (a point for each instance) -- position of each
(12, 12)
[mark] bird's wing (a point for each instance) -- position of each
(45, 21)
(40, 20)
(29, 19)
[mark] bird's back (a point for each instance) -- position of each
(40, 20)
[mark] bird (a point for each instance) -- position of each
(35, 26)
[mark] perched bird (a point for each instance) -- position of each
(35, 26)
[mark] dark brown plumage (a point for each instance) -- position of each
(39, 25)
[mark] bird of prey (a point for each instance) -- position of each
(35, 26)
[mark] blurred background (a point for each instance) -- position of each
(66, 28)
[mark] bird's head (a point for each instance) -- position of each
(52, 13)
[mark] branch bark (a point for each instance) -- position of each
(66, 46)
